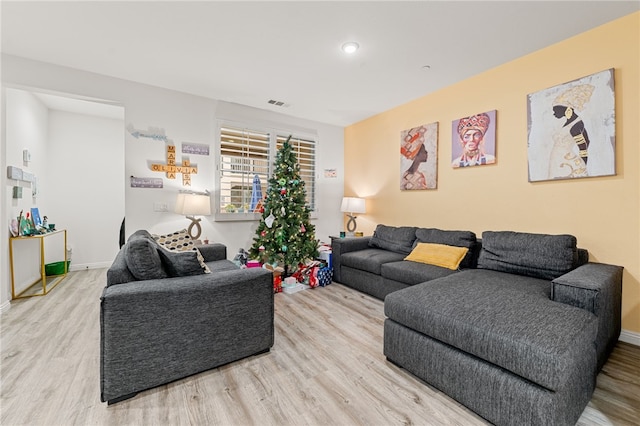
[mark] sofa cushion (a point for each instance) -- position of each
(535, 255)
(451, 238)
(397, 239)
(143, 260)
(180, 263)
(438, 255)
(412, 273)
(181, 241)
(505, 319)
(369, 259)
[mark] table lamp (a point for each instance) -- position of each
(351, 205)
(190, 205)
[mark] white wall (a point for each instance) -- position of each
(184, 118)
(26, 128)
(85, 185)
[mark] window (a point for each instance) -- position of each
(245, 154)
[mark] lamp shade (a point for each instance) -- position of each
(352, 205)
(193, 204)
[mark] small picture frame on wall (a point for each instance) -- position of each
(474, 140)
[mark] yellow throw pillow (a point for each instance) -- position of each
(438, 254)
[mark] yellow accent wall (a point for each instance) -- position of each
(602, 212)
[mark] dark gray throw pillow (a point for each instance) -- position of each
(397, 239)
(451, 238)
(535, 255)
(143, 260)
(180, 263)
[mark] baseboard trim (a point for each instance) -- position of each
(86, 266)
(5, 306)
(630, 337)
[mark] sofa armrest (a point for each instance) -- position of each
(157, 331)
(340, 246)
(214, 251)
(596, 287)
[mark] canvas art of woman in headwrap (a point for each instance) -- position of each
(474, 147)
(418, 152)
(572, 129)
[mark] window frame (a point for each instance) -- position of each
(275, 133)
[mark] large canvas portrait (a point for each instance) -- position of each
(572, 129)
(419, 157)
(474, 140)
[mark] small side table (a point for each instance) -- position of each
(46, 286)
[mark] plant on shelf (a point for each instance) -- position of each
(285, 235)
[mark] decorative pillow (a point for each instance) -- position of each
(181, 241)
(451, 238)
(535, 255)
(438, 254)
(396, 239)
(143, 260)
(181, 263)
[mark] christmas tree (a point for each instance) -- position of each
(285, 235)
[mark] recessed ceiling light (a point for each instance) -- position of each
(350, 47)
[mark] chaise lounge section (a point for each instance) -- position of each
(520, 339)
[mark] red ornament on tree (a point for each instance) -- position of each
(302, 228)
(263, 233)
(283, 191)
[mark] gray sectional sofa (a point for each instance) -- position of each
(517, 334)
(162, 318)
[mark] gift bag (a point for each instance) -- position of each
(325, 276)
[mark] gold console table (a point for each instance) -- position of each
(46, 286)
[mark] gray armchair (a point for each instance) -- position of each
(157, 331)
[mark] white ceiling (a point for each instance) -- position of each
(289, 51)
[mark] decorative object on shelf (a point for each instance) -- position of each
(278, 238)
(190, 205)
(473, 140)
(572, 129)
(419, 157)
(350, 206)
(186, 169)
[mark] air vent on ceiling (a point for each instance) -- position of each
(278, 103)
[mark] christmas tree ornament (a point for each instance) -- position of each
(269, 220)
(283, 191)
(303, 229)
(283, 211)
(263, 233)
(284, 248)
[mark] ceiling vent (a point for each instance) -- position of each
(277, 103)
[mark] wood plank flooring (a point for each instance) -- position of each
(326, 367)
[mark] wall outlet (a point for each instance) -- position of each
(160, 207)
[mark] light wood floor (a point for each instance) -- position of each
(326, 367)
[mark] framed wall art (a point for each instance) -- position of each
(474, 140)
(419, 157)
(571, 129)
